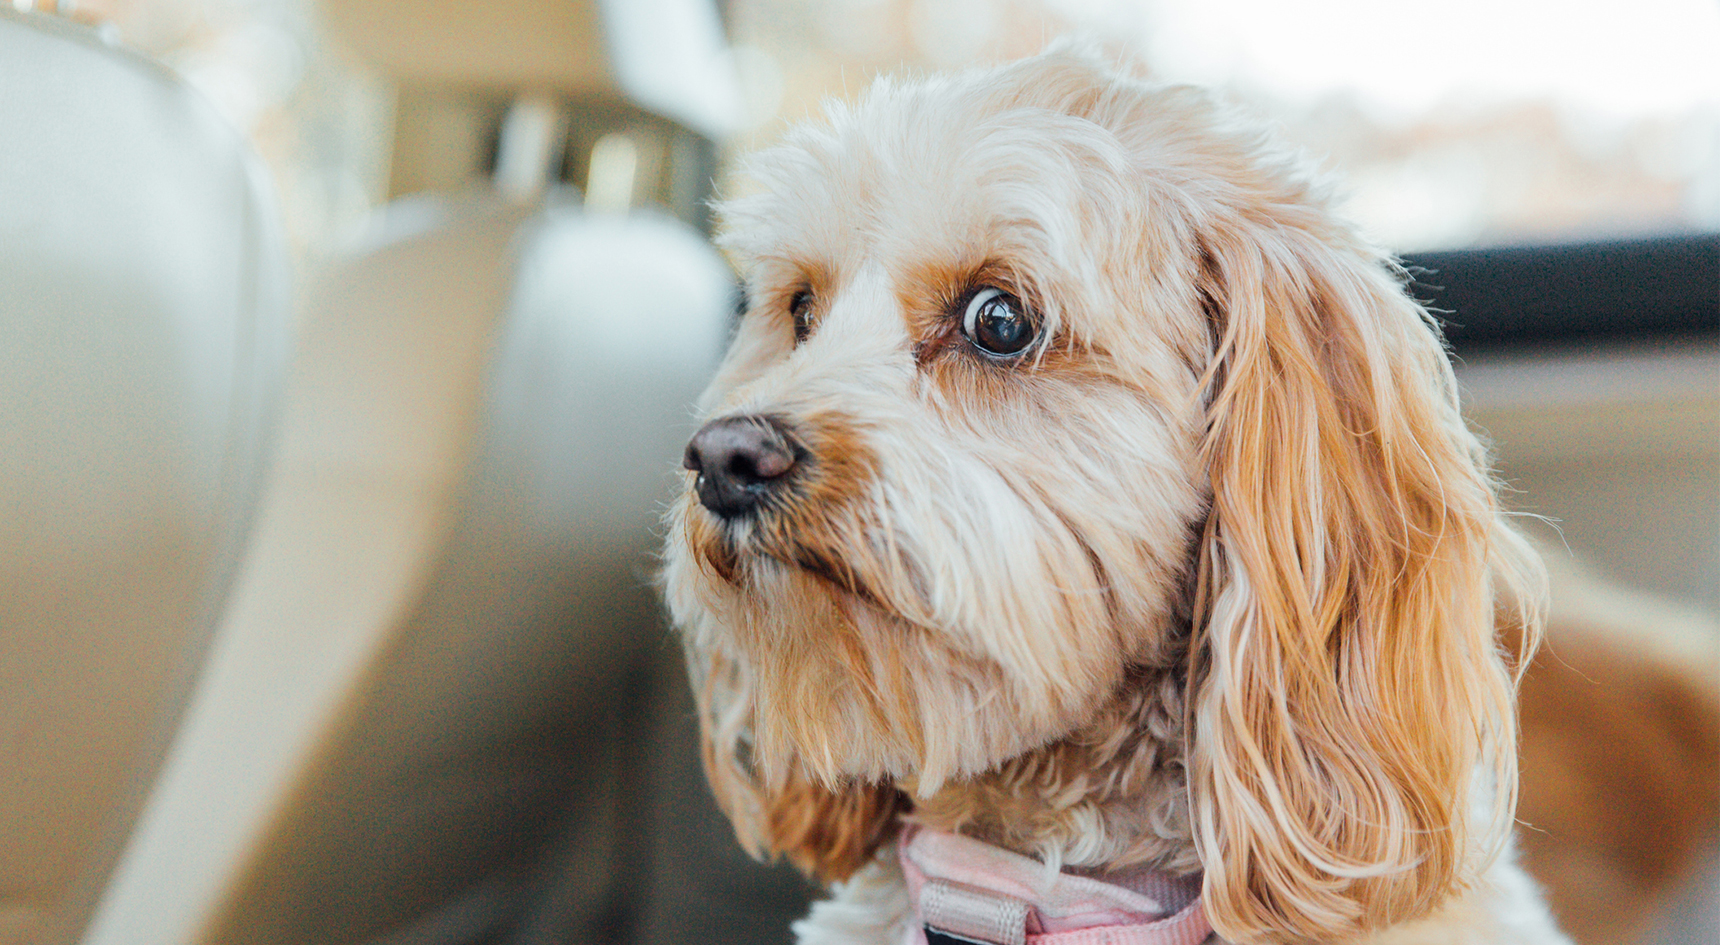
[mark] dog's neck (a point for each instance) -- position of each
(1110, 794)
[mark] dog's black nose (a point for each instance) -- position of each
(739, 460)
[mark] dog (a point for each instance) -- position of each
(1084, 543)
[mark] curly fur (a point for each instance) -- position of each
(1205, 580)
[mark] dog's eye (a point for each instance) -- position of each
(996, 323)
(800, 306)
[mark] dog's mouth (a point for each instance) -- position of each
(790, 493)
(780, 534)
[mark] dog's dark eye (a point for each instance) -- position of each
(996, 323)
(800, 306)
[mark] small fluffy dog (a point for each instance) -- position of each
(1085, 544)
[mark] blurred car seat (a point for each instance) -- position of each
(416, 689)
(143, 322)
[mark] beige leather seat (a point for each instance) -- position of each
(143, 317)
(406, 728)
(415, 690)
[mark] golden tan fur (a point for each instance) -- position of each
(1349, 674)
(1621, 755)
(1205, 580)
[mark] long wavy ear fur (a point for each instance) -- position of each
(826, 832)
(1348, 687)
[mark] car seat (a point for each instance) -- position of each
(143, 325)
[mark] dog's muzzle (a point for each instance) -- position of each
(740, 461)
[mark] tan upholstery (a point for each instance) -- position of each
(414, 688)
(667, 56)
(143, 316)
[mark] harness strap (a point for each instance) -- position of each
(966, 892)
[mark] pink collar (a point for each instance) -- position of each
(963, 891)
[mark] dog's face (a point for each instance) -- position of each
(979, 441)
(1045, 372)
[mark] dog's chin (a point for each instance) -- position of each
(845, 685)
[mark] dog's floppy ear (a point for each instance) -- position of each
(826, 832)
(1346, 678)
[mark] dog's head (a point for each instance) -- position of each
(1047, 373)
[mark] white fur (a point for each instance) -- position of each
(1201, 580)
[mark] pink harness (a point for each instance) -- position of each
(967, 891)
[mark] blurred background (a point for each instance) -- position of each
(412, 704)
(1476, 123)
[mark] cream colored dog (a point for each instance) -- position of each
(1080, 485)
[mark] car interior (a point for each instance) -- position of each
(326, 592)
